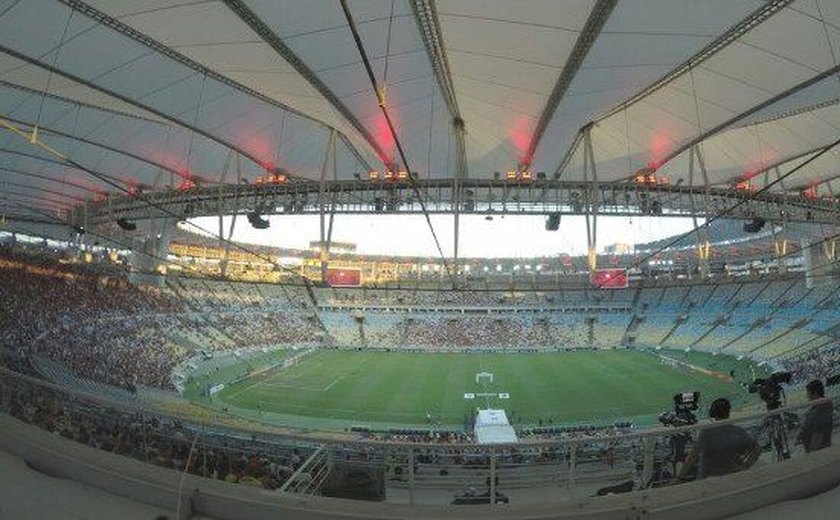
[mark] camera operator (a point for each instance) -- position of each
(816, 427)
(723, 449)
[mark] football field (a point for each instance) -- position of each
(410, 388)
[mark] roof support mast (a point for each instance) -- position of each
(425, 14)
(704, 246)
(326, 237)
(222, 244)
(592, 201)
(354, 31)
(460, 175)
(229, 240)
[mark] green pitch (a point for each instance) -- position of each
(402, 388)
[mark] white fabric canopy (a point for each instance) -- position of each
(136, 88)
(492, 427)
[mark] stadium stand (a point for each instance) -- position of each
(104, 329)
(75, 314)
(110, 349)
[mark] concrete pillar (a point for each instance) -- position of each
(149, 252)
(818, 261)
(704, 250)
(807, 263)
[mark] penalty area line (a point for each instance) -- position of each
(249, 387)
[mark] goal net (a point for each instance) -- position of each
(483, 377)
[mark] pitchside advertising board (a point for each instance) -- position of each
(610, 278)
(337, 277)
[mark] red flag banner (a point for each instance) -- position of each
(610, 278)
(344, 277)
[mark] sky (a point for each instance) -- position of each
(509, 236)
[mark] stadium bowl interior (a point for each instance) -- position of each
(419, 258)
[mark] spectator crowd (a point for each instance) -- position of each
(104, 328)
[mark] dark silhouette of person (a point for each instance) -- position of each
(817, 423)
(723, 449)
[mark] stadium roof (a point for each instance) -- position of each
(150, 91)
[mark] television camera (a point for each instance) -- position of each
(770, 389)
(685, 404)
(775, 426)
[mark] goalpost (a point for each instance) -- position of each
(483, 377)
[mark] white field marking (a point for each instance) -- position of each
(317, 411)
(249, 387)
(303, 373)
(304, 388)
(332, 384)
(293, 387)
(293, 379)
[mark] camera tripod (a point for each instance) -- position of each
(678, 444)
(774, 427)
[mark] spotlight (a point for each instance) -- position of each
(469, 201)
(656, 207)
(257, 221)
(575, 199)
(125, 225)
(755, 225)
(552, 223)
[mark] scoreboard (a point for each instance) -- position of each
(344, 277)
(610, 278)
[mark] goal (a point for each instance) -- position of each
(485, 377)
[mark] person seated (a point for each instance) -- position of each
(721, 450)
(818, 421)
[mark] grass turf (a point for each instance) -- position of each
(564, 387)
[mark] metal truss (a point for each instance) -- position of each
(477, 196)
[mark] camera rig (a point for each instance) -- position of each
(770, 389)
(685, 404)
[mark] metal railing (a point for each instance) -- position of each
(534, 470)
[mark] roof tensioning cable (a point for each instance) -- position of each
(382, 105)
